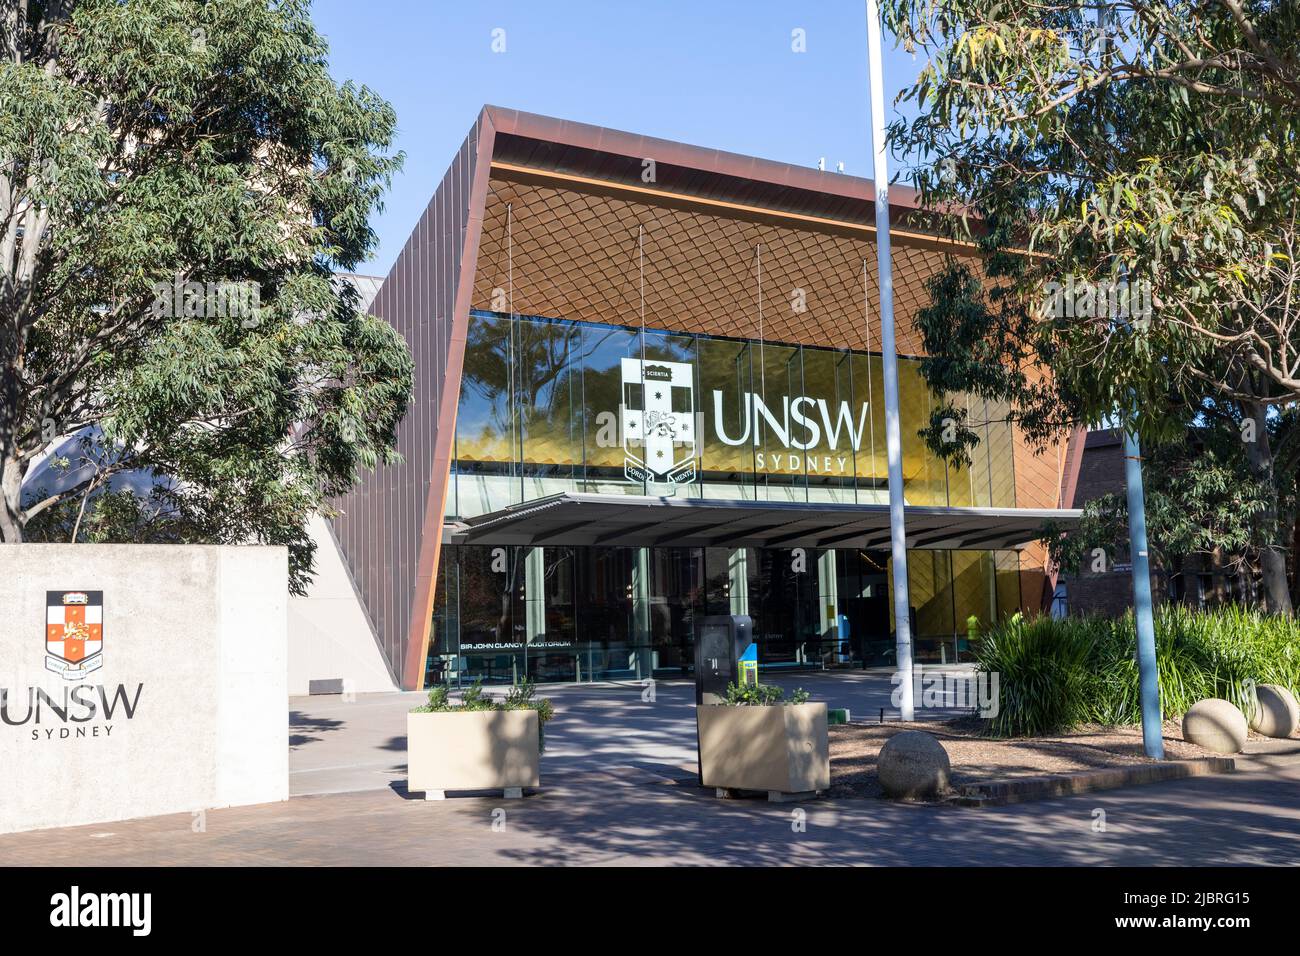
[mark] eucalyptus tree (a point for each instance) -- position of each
(179, 182)
(1202, 506)
(1132, 181)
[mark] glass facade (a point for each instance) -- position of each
(550, 405)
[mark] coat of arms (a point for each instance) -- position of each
(74, 632)
(658, 421)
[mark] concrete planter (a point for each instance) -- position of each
(782, 749)
(472, 750)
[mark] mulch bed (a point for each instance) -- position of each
(854, 748)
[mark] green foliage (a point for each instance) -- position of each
(761, 695)
(438, 701)
(1201, 499)
(522, 696)
(1043, 676)
(474, 699)
(1055, 674)
(1160, 150)
(150, 143)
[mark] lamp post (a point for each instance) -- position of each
(889, 360)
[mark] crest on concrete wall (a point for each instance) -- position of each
(658, 421)
(74, 632)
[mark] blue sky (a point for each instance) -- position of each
(716, 73)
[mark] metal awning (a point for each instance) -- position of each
(643, 521)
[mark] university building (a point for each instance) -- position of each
(649, 389)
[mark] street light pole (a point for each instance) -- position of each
(889, 360)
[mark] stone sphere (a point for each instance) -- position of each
(1215, 725)
(913, 764)
(1276, 713)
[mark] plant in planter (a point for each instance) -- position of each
(757, 740)
(480, 743)
(761, 695)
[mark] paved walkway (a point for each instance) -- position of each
(337, 746)
(638, 817)
(618, 790)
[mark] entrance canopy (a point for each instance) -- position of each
(644, 521)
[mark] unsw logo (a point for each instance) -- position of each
(660, 426)
(658, 421)
(74, 648)
(74, 632)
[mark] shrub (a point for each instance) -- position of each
(519, 697)
(1043, 675)
(1054, 674)
(761, 695)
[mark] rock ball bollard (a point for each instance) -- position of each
(913, 764)
(1216, 725)
(1276, 712)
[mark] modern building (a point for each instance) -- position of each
(649, 390)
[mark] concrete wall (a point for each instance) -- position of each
(330, 637)
(194, 668)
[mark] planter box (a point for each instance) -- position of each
(472, 750)
(781, 749)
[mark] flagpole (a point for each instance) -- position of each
(889, 360)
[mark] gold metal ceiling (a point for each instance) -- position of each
(575, 255)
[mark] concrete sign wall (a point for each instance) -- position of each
(140, 679)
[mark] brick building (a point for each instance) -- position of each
(1205, 580)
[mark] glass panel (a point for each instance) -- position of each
(604, 581)
(827, 420)
(552, 614)
(441, 665)
(485, 422)
(924, 476)
(974, 588)
(930, 588)
(676, 601)
(726, 377)
(492, 614)
(717, 581)
(864, 599)
(871, 461)
(661, 429)
(1008, 571)
(548, 391)
(1001, 456)
(962, 480)
(778, 458)
(786, 626)
(603, 399)
(487, 426)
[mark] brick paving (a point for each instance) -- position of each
(630, 817)
(617, 790)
